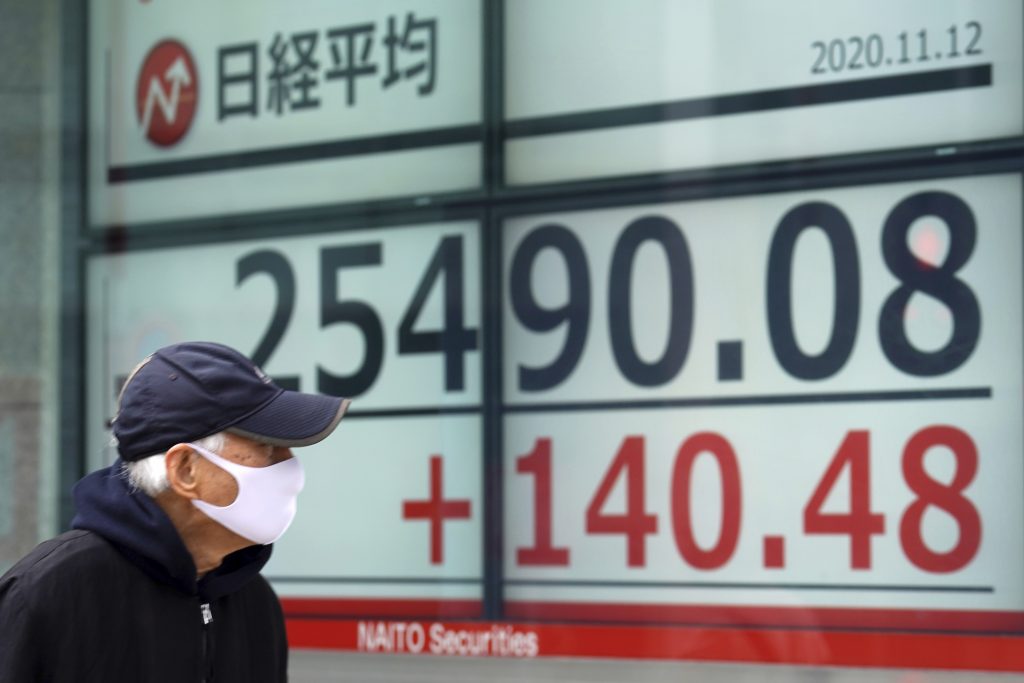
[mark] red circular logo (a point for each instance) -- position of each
(166, 93)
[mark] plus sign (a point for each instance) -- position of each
(436, 509)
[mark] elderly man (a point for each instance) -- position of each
(159, 578)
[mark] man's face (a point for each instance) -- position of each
(220, 488)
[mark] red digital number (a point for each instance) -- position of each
(682, 524)
(945, 497)
(635, 524)
(543, 553)
(859, 523)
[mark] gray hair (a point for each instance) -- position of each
(149, 474)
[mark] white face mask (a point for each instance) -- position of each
(266, 500)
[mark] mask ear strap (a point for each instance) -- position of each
(217, 460)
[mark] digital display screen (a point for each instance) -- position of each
(667, 86)
(805, 400)
(248, 108)
(359, 314)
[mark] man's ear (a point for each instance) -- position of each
(182, 470)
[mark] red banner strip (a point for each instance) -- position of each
(773, 646)
(746, 615)
(963, 621)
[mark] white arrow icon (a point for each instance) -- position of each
(177, 74)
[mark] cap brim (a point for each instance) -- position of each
(293, 419)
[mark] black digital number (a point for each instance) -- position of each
(915, 275)
(274, 264)
(971, 49)
(454, 340)
(874, 50)
(358, 313)
(836, 55)
(575, 313)
(846, 304)
(858, 50)
(822, 55)
(620, 320)
(936, 281)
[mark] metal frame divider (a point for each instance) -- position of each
(73, 220)
(494, 167)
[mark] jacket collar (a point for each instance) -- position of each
(134, 524)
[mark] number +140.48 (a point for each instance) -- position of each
(859, 523)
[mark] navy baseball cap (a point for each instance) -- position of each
(185, 392)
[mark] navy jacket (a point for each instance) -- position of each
(116, 599)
